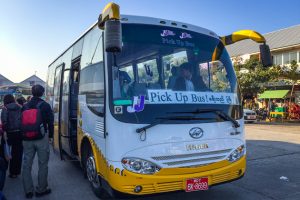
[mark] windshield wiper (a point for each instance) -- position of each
(158, 121)
(220, 113)
(163, 119)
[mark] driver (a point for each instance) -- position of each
(187, 82)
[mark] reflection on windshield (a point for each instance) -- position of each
(150, 64)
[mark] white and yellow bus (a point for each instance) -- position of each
(150, 105)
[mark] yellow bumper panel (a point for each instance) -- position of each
(126, 181)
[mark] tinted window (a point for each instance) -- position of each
(57, 87)
(92, 51)
(175, 70)
(92, 86)
(77, 49)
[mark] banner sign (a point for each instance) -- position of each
(190, 97)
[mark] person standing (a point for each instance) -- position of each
(11, 122)
(4, 159)
(37, 145)
(21, 101)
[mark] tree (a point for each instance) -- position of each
(252, 76)
(292, 73)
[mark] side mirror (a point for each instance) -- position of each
(265, 55)
(113, 36)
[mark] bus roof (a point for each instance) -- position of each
(130, 19)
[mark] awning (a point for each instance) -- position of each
(273, 94)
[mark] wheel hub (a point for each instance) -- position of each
(91, 170)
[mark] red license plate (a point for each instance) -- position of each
(196, 184)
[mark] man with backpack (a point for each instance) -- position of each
(37, 128)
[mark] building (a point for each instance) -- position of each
(5, 81)
(18, 89)
(284, 45)
(33, 80)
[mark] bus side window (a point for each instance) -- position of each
(92, 86)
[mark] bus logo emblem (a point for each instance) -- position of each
(196, 132)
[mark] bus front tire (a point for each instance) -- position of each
(91, 173)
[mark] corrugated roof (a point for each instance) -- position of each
(33, 77)
(4, 80)
(281, 38)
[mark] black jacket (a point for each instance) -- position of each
(47, 114)
(198, 83)
(11, 117)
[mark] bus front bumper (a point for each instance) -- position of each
(126, 182)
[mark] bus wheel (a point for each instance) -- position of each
(91, 173)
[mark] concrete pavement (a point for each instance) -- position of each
(273, 153)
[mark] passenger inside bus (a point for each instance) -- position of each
(187, 82)
(125, 84)
(172, 78)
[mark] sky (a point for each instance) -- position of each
(34, 32)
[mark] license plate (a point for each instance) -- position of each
(251, 117)
(196, 184)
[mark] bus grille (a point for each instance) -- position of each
(172, 186)
(219, 178)
(154, 188)
(193, 159)
(180, 184)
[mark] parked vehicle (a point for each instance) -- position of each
(250, 116)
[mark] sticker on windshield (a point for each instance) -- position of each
(122, 102)
(138, 104)
(190, 97)
(167, 33)
(185, 35)
(118, 110)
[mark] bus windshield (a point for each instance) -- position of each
(163, 69)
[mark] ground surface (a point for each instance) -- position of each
(273, 152)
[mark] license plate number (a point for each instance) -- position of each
(196, 184)
(251, 117)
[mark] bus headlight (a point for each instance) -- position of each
(237, 154)
(139, 166)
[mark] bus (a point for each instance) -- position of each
(150, 105)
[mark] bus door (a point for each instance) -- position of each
(73, 105)
(64, 116)
(57, 106)
(68, 116)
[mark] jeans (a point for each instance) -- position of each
(30, 148)
(15, 141)
(2, 179)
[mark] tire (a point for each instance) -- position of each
(91, 174)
